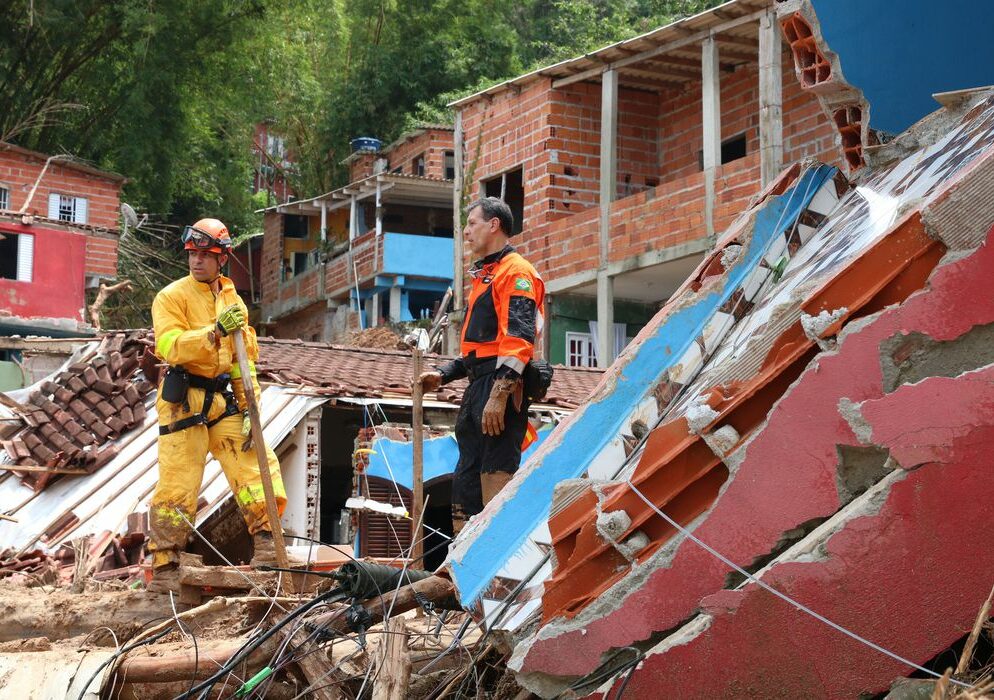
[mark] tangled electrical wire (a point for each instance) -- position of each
(306, 630)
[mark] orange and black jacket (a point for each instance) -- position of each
(504, 317)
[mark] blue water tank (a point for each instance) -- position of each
(366, 143)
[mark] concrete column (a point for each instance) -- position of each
(379, 209)
(373, 315)
(453, 333)
(770, 98)
(395, 301)
(608, 189)
(711, 107)
(324, 221)
(605, 319)
(353, 222)
(368, 307)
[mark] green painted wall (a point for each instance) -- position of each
(11, 376)
(572, 314)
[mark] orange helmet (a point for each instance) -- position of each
(207, 234)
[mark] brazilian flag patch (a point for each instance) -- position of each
(522, 284)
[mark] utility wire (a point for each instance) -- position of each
(783, 596)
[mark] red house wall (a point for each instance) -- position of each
(56, 289)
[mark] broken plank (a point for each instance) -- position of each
(394, 661)
(39, 468)
(320, 676)
(224, 577)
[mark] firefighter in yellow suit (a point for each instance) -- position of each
(193, 319)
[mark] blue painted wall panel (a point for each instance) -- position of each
(601, 420)
(440, 457)
(421, 256)
(900, 52)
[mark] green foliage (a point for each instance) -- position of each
(168, 92)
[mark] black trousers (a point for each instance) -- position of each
(479, 453)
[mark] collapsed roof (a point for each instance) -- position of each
(810, 406)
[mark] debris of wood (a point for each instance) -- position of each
(393, 662)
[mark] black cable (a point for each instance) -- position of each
(254, 644)
(628, 676)
(196, 649)
(113, 657)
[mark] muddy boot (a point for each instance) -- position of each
(264, 550)
(165, 579)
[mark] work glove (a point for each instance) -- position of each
(430, 381)
(493, 413)
(232, 318)
(246, 432)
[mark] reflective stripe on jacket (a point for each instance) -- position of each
(184, 315)
(505, 311)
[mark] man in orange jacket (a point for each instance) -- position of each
(504, 318)
(201, 403)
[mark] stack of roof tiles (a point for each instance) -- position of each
(71, 419)
(373, 372)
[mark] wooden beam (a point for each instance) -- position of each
(738, 40)
(636, 83)
(691, 63)
(689, 40)
(663, 69)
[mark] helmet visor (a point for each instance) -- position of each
(201, 239)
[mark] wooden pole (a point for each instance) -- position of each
(418, 499)
(260, 451)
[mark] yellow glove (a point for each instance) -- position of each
(246, 432)
(230, 319)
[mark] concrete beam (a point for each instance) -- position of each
(635, 262)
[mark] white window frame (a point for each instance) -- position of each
(586, 355)
(67, 208)
(25, 256)
(4, 196)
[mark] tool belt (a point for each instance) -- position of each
(476, 368)
(210, 386)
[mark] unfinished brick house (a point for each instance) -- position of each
(58, 236)
(379, 249)
(272, 163)
(624, 164)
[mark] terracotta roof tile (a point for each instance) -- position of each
(70, 419)
(374, 373)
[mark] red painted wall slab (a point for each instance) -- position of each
(56, 289)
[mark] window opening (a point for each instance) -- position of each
(510, 187)
(731, 149)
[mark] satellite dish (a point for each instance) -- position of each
(130, 217)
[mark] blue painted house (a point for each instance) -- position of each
(379, 250)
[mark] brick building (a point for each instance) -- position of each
(624, 164)
(272, 164)
(379, 249)
(58, 236)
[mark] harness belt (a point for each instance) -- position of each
(211, 386)
(479, 367)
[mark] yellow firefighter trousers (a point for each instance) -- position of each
(182, 457)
